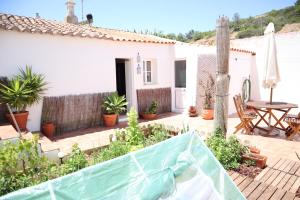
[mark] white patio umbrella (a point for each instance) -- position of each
(271, 73)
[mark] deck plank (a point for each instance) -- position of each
(251, 187)
(289, 167)
(283, 181)
(288, 196)
(273, 163)
(272, 177)
(278, 179)
(262, 173)
(268, 193)
(295, 168)
(278, 194)
(245, 183)
(267, 175)
(257, 192)
(239, 179)
(297, 173)
(290, 183)
(295, 186)
(279, 164)
(284, 165)
(234, 175)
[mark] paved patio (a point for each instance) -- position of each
(273, 147)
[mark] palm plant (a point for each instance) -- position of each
(23, 90)
(115, 104)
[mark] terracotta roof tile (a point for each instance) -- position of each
(34, 25)
(243, 51)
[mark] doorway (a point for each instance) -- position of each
(124, 80)
(121, 77)
(180, 84)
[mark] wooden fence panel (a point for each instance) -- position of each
(73, 112)
(161, 95)
(3, 108)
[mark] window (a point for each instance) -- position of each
(180, 74)
(148, 72)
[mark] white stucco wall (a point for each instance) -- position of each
(75, 65)
(288, 54)
(240, 67)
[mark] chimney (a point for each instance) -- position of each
(89, 18)
(37, 16)
(71, 17)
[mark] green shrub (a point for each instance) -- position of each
(134, 134)
(114, 150)
(152, 108)
(228, 152)
(156, 133)
(75, 161)
(22, 166)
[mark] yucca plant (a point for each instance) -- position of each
(114, 104)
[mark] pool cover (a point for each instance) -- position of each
(180, 168)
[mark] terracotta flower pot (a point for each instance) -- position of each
(259, 160)
(149, 116)
(110, 119)
(254, 150)
(208, 114)
(48, 129)
(21, 119)
(193, 111)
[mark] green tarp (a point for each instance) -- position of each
(179, 168)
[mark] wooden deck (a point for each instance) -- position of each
(279, 181)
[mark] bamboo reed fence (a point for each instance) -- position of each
(73, 112)
(161, 95)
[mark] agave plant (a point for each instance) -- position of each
(22, 90)
(35, 82)
(115, 104)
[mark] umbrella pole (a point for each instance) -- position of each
(271, 95)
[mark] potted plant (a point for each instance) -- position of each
(22, 90)
(193, 111)
(113, 106)
(260, 160)
(151, 111)
(209, 90)
(48, 129)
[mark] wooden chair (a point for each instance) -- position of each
(293, 128)
(246, 116)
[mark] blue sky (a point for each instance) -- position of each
(169, 16)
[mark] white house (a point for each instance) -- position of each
(82, 59)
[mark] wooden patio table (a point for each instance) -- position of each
(265, 109)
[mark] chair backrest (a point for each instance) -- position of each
(238, 105)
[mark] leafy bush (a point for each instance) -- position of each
(22, 166)
(152, 108)
(134, 134)
(156, 133)
(228, 152)
(75, 161)
(114, 104)
(114, 150)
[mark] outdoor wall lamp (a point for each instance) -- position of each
(138, 69)
(138, 60)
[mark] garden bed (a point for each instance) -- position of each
(248, 170)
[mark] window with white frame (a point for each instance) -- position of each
(149, 71)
